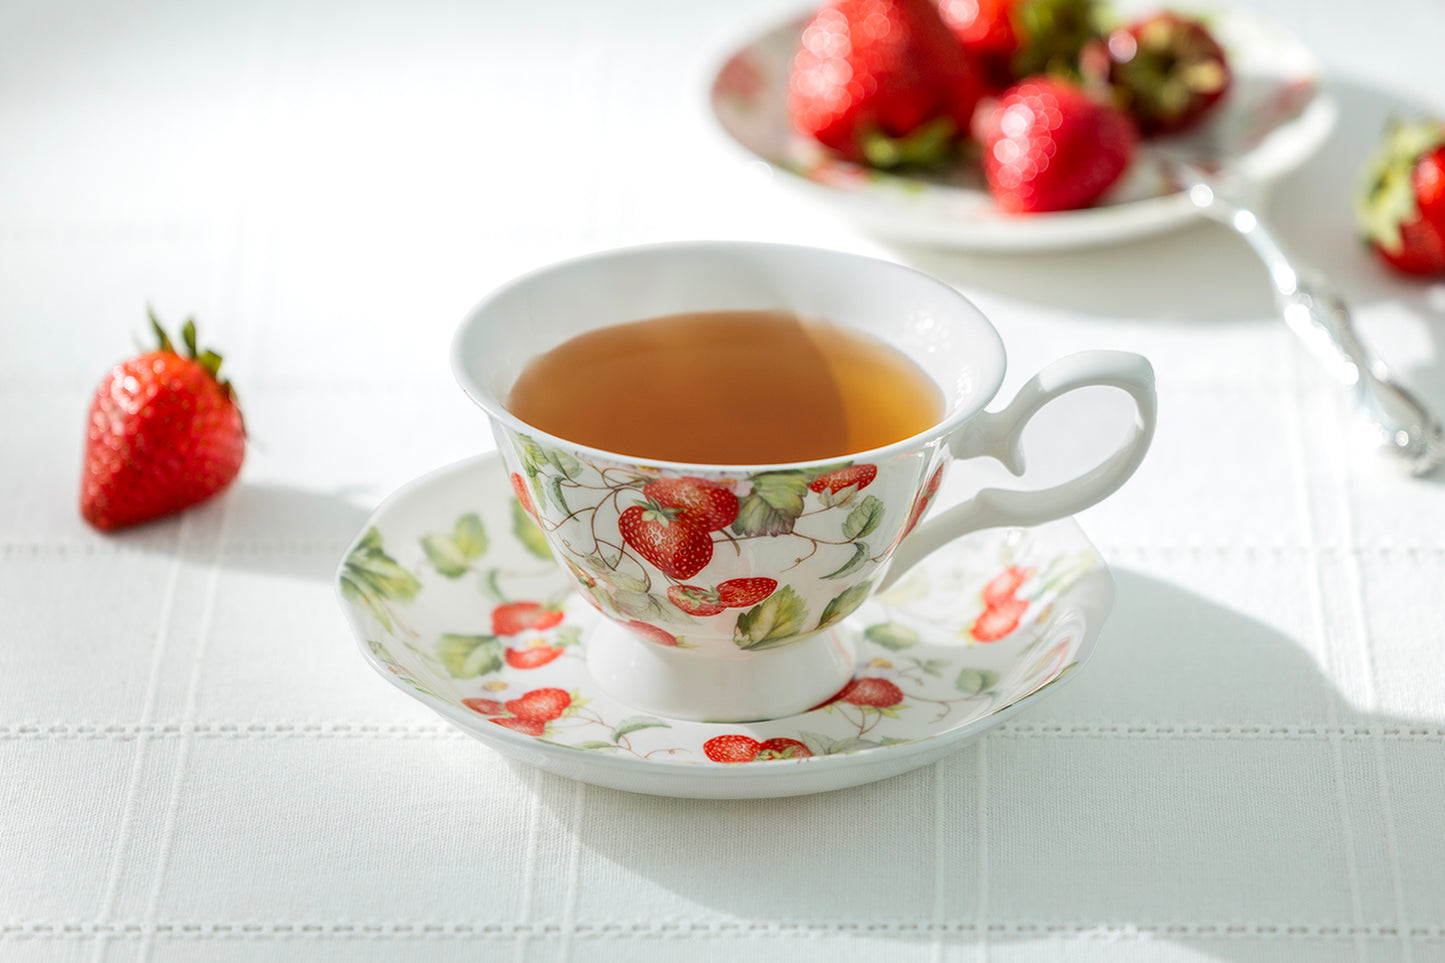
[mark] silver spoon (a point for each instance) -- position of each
(1397, 426)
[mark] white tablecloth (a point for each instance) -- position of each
(197, 763)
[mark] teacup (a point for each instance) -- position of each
(759, 630)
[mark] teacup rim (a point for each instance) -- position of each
(498, 412)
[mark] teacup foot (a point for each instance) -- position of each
(746, 687)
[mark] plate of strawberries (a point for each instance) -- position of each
(1019, 124)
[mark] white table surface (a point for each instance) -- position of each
(197, 763)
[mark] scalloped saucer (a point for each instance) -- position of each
(454, 599)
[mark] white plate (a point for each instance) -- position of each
(422, 604)
(1274, 118)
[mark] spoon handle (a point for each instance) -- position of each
(1397, 425)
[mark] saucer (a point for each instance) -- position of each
(1276, 116)
(454, 599)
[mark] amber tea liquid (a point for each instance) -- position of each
(727, 387)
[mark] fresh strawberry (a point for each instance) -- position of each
(694, 600)
(540, 705)
(511, 618)
(840, 478)
(487, 707)
(1401, 204)
(529, 727)
(733, 747)
(871, 693)
(739, 593)
(1010, 39)
(1047, 146)
(710, 505)
(1166, 71)
(652, 633)
(668, 538)
(533, 656)
(1001, 587)
(882, 82)
(519, 488)
(164, 434)
(999, 620)
(782, 749)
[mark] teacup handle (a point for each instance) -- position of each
(999, 435)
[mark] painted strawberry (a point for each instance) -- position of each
(529, 727)
(740, 593)
(652, 633)
(1009, 39)
(920, 504)
(524, 497)
(999, 620)
(1401, 204)
(694, 600)
(1001, 587)
(872, 693)
(540, 705)
(780, 748)
(668, 538)
(487, 707)
(532, 656)
(706, 503)
(838, 479)
(1048, 146)
(164, 434)
(882, 82)
(1166, 71)
(736, 747)
(511, 618)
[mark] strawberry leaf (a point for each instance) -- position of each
(376, 573)
(841, 607)
(863, 519)
(568, 635)
(445, 556)
(773, 622)
(468, 656)
(564, 463)
(974, 681)
(891, 635)
(783, 491)
(635, 723)
(757, 517)
(554, 485)
(592, 745)
(470, 537)
(860, 554)
(528, 533)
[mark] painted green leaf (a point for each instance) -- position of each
(533, 455)
(374, 574)
(468, 656)
(635, 723)
(528, 533)
(973, 681)
(841, 607)
(757, 517)
(863, 519)
(445, 555)
(539, 494)
(470, 536)
(565, 463)
(568, 635)
(637, 605)
(592, 744)
(783, 490)
(891, 635)
(860, 555)
(555, 487)
(774, 621)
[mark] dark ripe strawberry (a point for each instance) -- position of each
(487, 707)
(739, 593)
(1047, 146)
(999, 620)
(882, 82)
(1400, 207)
(840, 478)
(519, 488)
(694, 600)
(733, 747)
(529, 727)
(710, 505)
(1167, 71)
(164, 434)
(510, 618)
(540, 705)
(652, 633)
(668, 538)
(532, 657)
(1001, 587)
(1010, 39)
(871, 693)
(782, 749)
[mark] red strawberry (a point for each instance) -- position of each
(840, 478)
(733, 747)
(1401, 206)
(1048, 147)
(1009, 39)
(519, 488)
(920, 505)
(511, 618)
(1002, 587)
(540, 705)
(999, 620)
(668, 538)
(782, 749)
(164, 434)
(695, 601)
(710, 505)
(882, 81)
(1166, 71)
(487, 707)
(871, 693)
(652, 633)
(739, 593)
(532, 657)
(530, 727)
